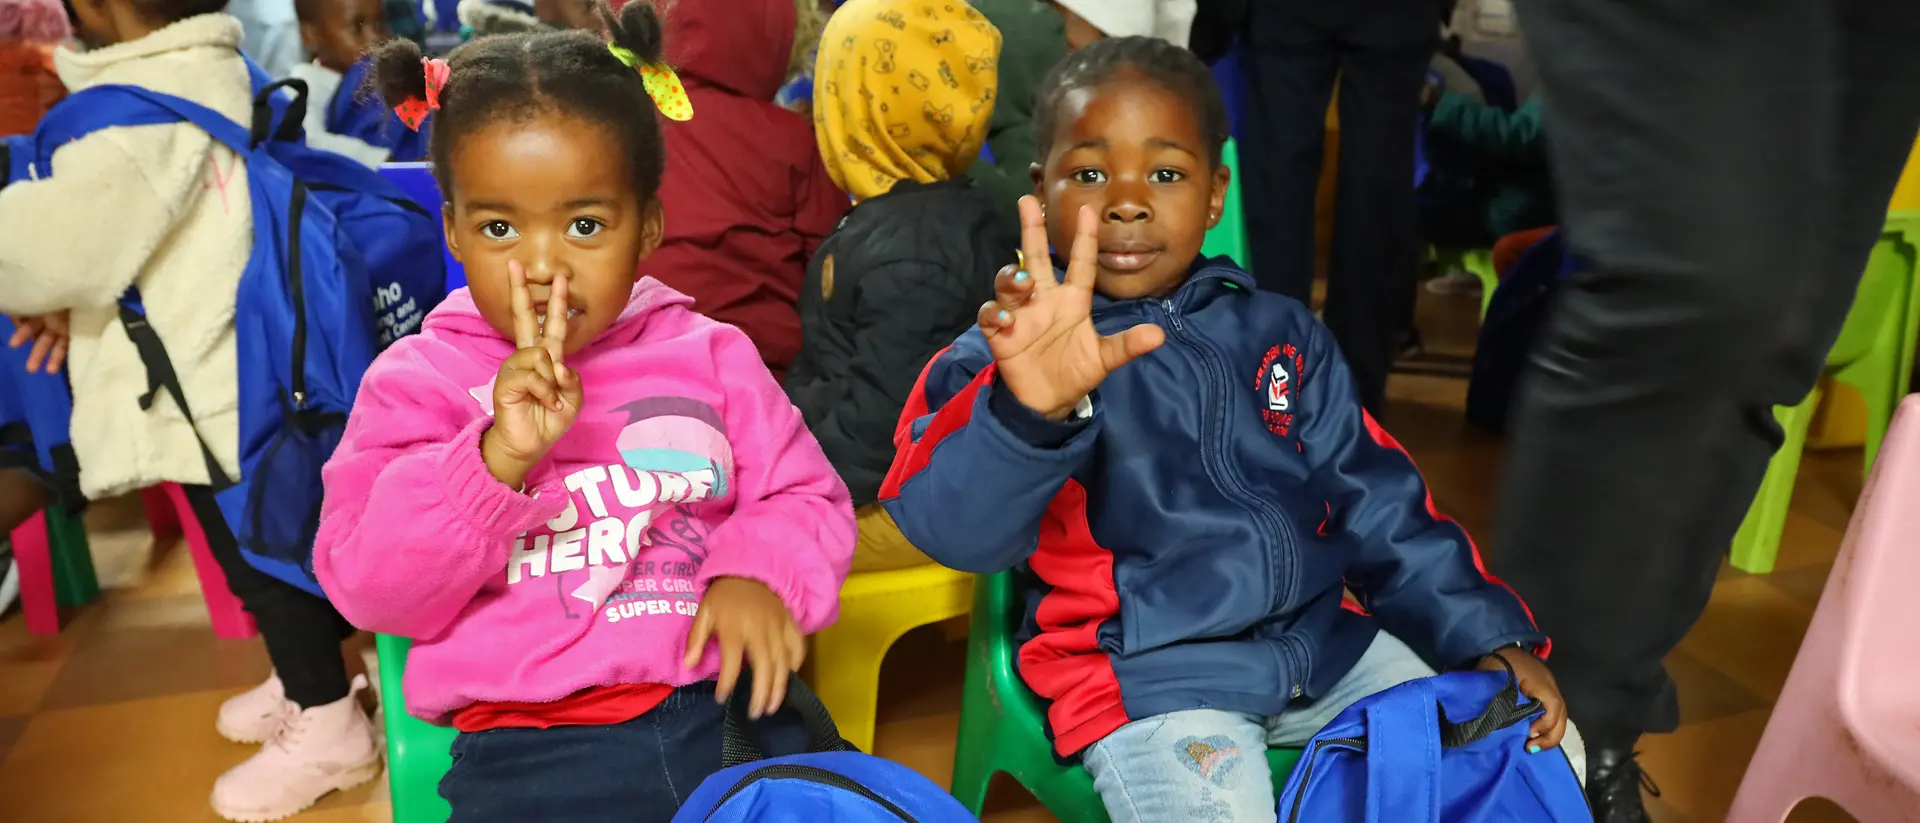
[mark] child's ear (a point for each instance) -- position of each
(310, 39)
(1217, 199)
(446, 227)
(653, 229)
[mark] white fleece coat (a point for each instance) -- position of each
(163, 208)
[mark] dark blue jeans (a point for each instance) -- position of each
(639, 771)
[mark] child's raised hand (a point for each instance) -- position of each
(749, 621)
(1537, 683)
(1041, 332)
(535, 396)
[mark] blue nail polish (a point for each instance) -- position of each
(1004, 316)
(1020, 276)
(1533, 750)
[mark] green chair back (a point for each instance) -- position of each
(417, 751)
(1001, 720)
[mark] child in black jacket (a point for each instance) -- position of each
(903, 96)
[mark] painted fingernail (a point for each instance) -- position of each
(1533, 750)
(1004, 316)
(1020, 276)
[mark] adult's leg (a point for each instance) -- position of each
(1702, 200)
(1185, 767)
(302, 632)
(1375, 261)
(1290, 70)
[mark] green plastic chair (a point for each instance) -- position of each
(1874, 354)
(1000, 721)
(1477, 262)
(417, 751)
(1229, 237)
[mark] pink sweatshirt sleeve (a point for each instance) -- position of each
(792, 525)
(413, 524)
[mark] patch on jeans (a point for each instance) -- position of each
(1215, 759)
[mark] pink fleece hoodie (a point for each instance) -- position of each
(686, 463)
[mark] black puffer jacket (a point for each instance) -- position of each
(900, 278)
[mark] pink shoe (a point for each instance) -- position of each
(254, 715)
(315, 752)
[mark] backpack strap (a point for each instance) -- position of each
(160, 375)
(1403, 754)
(736, 744)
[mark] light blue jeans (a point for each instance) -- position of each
(1210, 766)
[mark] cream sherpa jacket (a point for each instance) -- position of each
(163, 208)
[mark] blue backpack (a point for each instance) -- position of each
(831, 783)
(1516, 314)
(1398, 757)
(342, 264)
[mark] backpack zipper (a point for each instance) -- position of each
(811, 774)
(1358, 744)
(296, 291)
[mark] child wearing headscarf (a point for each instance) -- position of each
(903, 95)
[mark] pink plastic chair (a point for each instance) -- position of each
(169, 516)
(1847, 725)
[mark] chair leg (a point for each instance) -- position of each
(1757, 543)
(846, 676)
(230, 619)
(74, 580)
(33, 555)
(162, 520)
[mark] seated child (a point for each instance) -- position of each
(587, 504)
(1510, 187)
(343, 116)
(1181, 465)
(174, 205)
(913, 261)
(29, 30)
(749, 198)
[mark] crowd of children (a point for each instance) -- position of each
(709, 360)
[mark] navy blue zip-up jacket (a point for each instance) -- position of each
(1193, 536)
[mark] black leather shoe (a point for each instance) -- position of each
(1614, 781)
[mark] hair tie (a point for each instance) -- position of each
(414, 112)
(662, 84)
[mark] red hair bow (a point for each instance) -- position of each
(414, 112)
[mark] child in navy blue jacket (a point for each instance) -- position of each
(344, 116)
(1182, 464)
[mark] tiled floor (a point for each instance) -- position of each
(113, 719)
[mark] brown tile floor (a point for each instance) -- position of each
(113, 719)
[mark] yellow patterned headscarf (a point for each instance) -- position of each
(903, 90)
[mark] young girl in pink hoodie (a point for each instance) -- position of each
(587, 504)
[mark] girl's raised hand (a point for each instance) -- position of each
(1041, 332)
(535, 396)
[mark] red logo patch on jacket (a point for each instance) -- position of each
(1278, 383)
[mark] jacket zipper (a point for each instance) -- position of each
(811, 774)
(1358, 744)
(1225, 476)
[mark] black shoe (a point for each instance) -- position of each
(1614, 781)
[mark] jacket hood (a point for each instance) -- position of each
(457, 316)
(489, 17)
(739, 46)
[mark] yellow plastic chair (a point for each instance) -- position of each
(1874, 354)
(876, 608)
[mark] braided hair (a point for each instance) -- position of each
(514, 78)
(1173, 68)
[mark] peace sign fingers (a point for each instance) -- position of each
(526, 327)
(555, 330)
